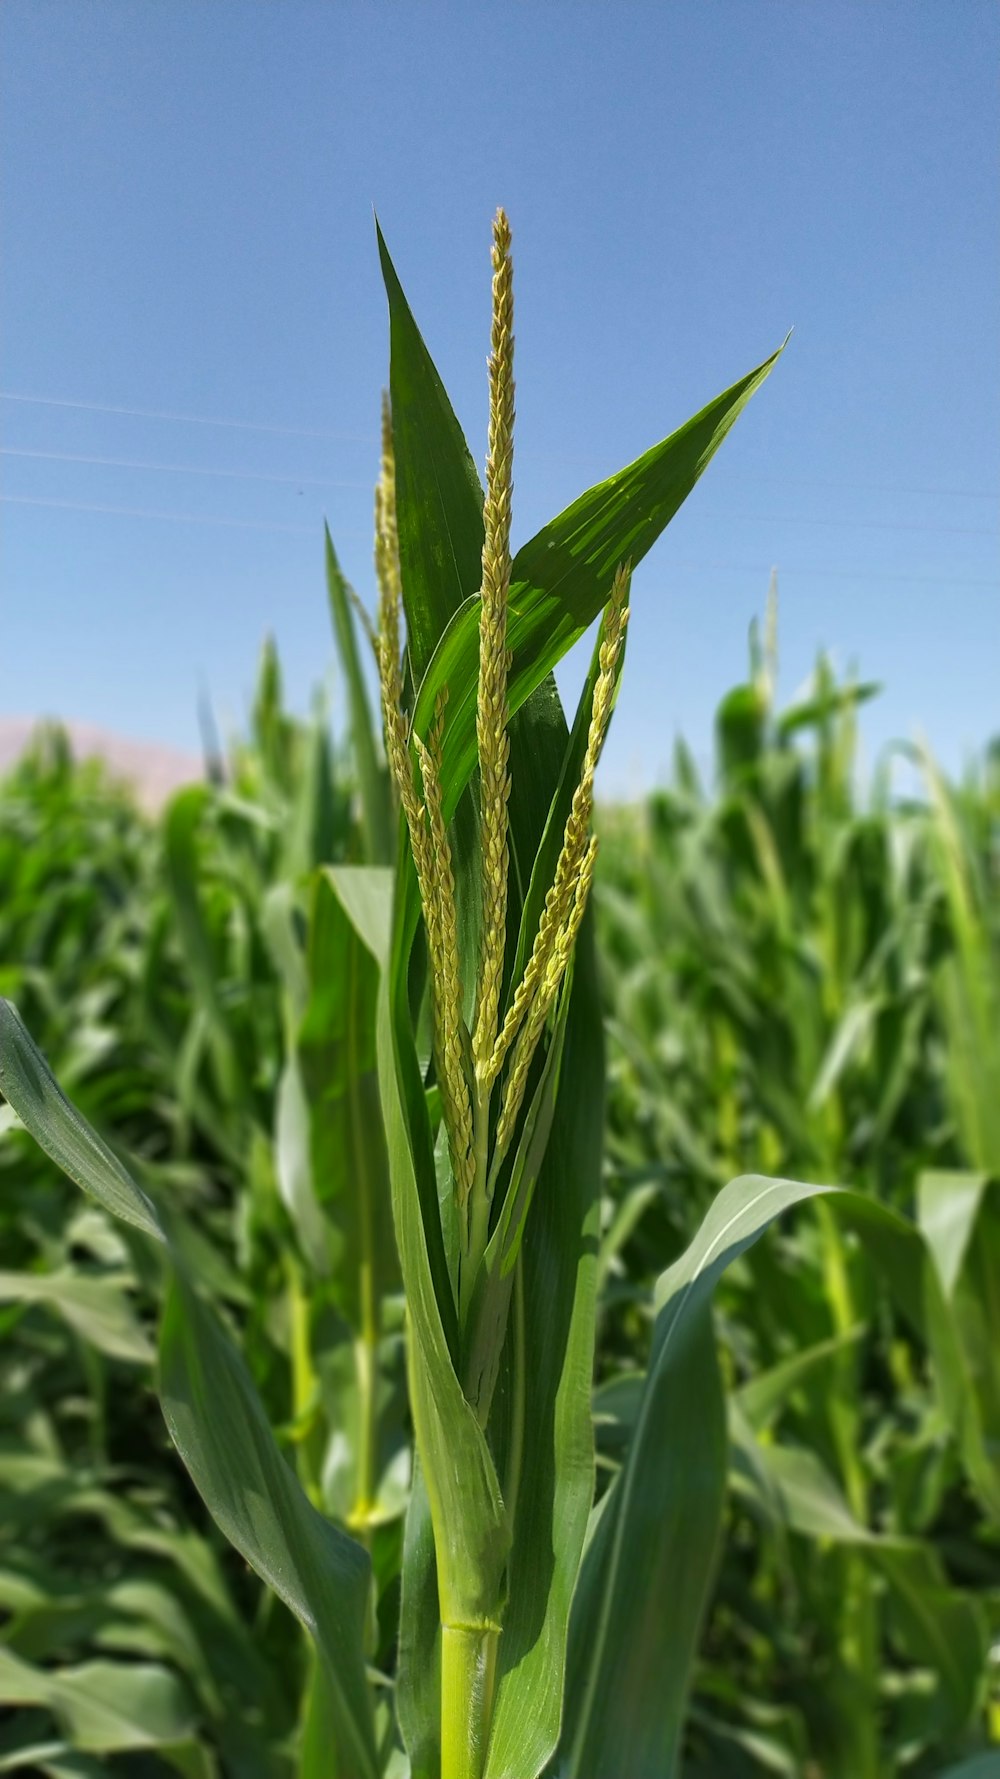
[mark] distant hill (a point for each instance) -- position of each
(154, 772)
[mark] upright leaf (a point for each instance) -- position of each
(373, 779)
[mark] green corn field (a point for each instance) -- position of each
(533, 1306)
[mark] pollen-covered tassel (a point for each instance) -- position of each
(559, 899)
(425, 825)
(446, 966)
(491, 709)
(387, 552)
(548, 986)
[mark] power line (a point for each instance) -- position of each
(304, 481)
(185, 469)
(306, 432)
(84, 506)
(88, 506)
(370, 439)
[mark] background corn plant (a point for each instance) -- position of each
(856, 1416)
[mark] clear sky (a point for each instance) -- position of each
(190, 298)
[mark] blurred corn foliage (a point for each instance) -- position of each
(801, 977)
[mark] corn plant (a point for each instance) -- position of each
(540, 1630)
(772, 949)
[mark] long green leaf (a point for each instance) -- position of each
(631, 1651)
(469, 1519)
(219, 1427)
(97, 1309)
(107, 1707)
(562, 577)
(373, 778)
(558, 1262)
(960, 1217)
(336, 1048)
(31, 1088)
(216, 1418)
(438, 496)
(944, 1629)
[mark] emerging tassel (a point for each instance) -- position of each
(426, 826)
(491, 709)
(559, 899)
(468, 1070)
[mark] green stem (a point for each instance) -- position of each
(366, 1372)
(859, 1623)
(303, 1375)
(468, 1677)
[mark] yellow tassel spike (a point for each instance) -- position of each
(559, 899)
(552, 975)
(387, 546)
(491, 709)
(428, 835)
(446, 965)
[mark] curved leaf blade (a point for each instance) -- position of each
(216, 1417)
(562, 577)
(656, 1539)
(217, 1422)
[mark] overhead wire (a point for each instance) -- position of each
(306, 432)
(185, 469)
(686, 566)
(270, 426)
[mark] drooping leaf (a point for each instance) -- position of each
(31, 1088)
(219, 1427)
(630, 1656)
(217, 1420)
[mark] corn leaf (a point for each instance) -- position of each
(96, 1309)
(438, 497)
(219, 1427)
(29, 1085)
(960, 1217)
(630, 1655)
(335, 1046)
(216, 1418)
(562, 577)
(559, 1254)
(469, 1518)
(185, 880)
(107, 1707)
(373, 778)
(981, 1766)
(942, 1629)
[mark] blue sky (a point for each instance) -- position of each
(189, 280)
